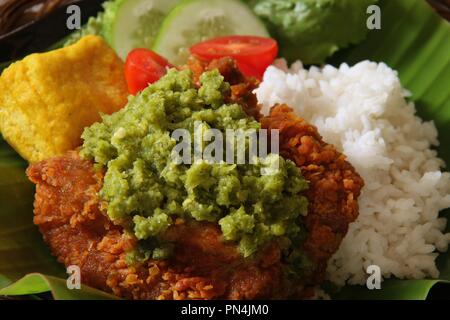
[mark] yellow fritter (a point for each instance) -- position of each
(47, 99)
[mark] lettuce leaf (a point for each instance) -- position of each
(312, 30)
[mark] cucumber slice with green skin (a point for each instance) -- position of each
(193, 21)
(130, 24)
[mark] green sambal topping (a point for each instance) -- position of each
(146, 188)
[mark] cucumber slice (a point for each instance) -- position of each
(193, 21)
(130, 24)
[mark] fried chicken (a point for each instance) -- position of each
(74, 223)
(67, 211)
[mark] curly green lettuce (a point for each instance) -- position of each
(312, 30)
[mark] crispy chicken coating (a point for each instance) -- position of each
(334, 185)
(73, 221)
(68, 213)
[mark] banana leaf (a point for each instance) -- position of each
(21, 247)
(413, 40)
(38, 283)
(23, 253)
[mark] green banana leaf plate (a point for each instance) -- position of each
(413, 39)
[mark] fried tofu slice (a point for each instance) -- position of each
(47, 99)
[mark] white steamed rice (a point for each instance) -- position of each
(363, 111)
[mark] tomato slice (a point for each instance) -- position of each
(143, 67)
(253, 54)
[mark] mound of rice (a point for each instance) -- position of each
(363, 111)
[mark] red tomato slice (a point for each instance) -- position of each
(250, 52)
(142, 68)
